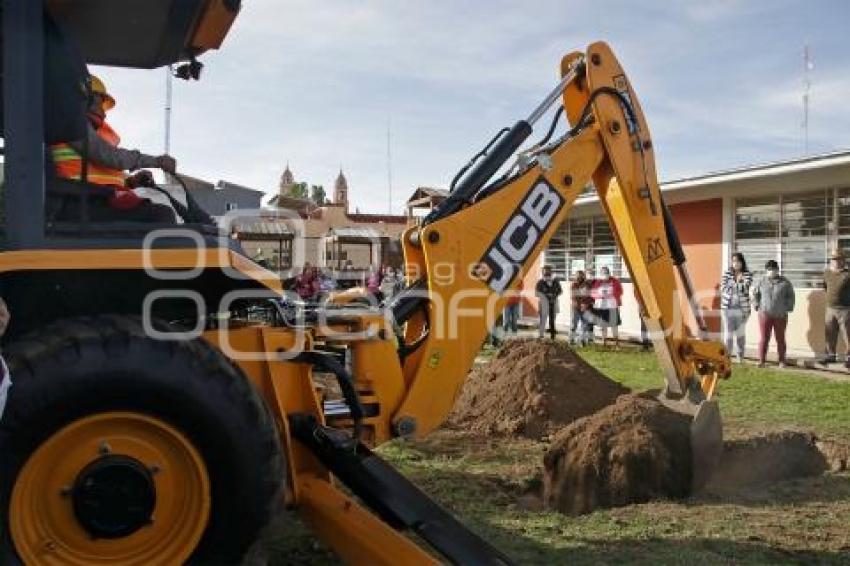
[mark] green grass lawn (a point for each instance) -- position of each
(752, 398)
(488, 483)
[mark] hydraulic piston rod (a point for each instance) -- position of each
(501, 152)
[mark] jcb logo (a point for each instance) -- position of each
(515, 242)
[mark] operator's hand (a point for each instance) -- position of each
(141, 178)
(167, 164)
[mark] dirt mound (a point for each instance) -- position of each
(532, 388)
(765, 459)
(631, 452)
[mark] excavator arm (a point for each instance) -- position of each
(469, 254)
(463, 262)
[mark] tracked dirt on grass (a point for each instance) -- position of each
(532, 388)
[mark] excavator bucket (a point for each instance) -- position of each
(706, 443)
(706, 436)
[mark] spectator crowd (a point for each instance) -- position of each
(595, 306)
(314, 285)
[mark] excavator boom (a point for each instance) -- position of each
(491, 232)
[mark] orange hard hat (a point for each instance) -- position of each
(98, 87)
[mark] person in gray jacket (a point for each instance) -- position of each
(773, 299)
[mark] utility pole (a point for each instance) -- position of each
(389, 169)
(808, 65)
(168, 76)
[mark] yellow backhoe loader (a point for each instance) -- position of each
(155, 417)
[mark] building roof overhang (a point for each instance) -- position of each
(800, 174)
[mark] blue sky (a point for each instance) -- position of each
(315, 83)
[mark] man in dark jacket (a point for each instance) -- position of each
(548, 290)
(836, 282)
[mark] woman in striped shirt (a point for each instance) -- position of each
(735, 303)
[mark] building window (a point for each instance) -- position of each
(841, 219)
(584, 244)
(757, 230)
(228, 206)
(797, 230)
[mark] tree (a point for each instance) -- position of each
(318, 195)
(298, 190)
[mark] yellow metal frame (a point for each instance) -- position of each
(133, 259)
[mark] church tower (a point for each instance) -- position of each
(287, 181)
(341, 191)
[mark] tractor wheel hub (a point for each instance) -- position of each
(114, 496)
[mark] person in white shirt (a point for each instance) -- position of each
(607, 293)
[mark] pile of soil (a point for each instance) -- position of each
(634, 451)
(532, 388)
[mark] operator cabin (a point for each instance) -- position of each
(90, 178)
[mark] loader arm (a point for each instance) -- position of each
(470, 254)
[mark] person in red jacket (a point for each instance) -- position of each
(607, 293)
(307, 285)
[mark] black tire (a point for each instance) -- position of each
(80, 367)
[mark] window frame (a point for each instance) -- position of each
(590, 248)
(832, 237)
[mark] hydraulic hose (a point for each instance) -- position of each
(472, 182)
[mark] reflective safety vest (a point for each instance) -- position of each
(69, 163)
